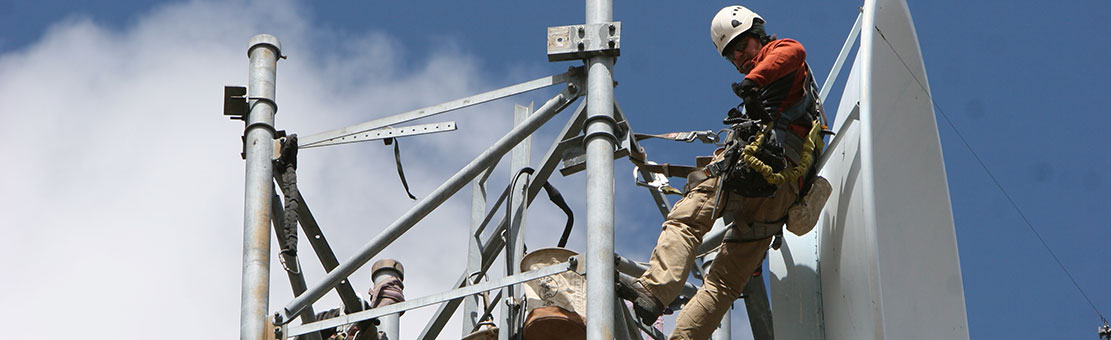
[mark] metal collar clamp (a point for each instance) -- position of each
(607, 133)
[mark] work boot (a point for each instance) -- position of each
(647, 307)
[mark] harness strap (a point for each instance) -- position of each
(744, 231)
(707, 136)
(667, 169)
(639, 158)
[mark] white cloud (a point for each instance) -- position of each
(123, 185)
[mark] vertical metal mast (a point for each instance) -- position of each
(599, 127)
(264, 51)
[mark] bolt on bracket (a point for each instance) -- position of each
(584, 41)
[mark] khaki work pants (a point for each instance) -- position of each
(688, 221)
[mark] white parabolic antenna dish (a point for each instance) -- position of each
(883, 261)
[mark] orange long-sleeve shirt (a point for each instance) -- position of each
(780, 70)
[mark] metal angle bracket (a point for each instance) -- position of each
(235, 102)
(576, 42)
(388, 132)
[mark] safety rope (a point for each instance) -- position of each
(814, 140)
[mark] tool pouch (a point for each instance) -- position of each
(803, 215)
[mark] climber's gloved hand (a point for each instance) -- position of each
(746, 88)
(749, 91)
(734, 116)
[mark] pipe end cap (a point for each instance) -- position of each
(388, 264)
(264, 39)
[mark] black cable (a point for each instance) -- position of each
(993, 179)
(509, 198)
(558, 200)
(553, 195)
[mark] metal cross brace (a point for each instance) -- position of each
(351, 301)
(454, 294)
(851, 121)
(296, 279)
(836, 69)
(388, 132)
(379, 123)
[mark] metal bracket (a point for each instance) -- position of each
(276, 332)
(584, 41)
(235, 102)
(659, 182)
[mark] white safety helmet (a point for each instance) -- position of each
(730, 22)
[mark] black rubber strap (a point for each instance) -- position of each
(400, 170)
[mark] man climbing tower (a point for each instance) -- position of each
(758, 179)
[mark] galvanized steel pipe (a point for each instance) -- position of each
(599, 184)
(434, 199)
(384, 270)
(263, 52)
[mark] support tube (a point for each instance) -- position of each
(600, 142)
(263, 52)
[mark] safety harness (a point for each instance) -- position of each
(755, 162)
(812, 142)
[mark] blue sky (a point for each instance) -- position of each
(1023, 82)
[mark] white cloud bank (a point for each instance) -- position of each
(122, 183)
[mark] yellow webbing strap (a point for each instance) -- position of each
(814, 140)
